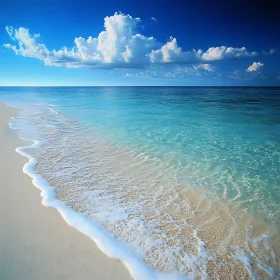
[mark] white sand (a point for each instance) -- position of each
(35, 242)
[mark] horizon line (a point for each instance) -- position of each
(2, 86)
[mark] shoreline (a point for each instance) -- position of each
(245, 252)
(35, 241)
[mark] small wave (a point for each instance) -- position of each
(104, 240)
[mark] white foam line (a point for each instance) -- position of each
(105, 241)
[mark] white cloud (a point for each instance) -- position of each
(153, 19)
(223, 52)
(174, 71)
(10, 31)
(27, 45)
(171, 52)
(256, 66)
(271, 51)
(195, 70)
(118, 46)
(207, 67)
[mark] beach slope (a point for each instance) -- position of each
(35, 242)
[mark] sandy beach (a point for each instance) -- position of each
(35, 242)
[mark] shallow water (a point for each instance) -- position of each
(188, 178)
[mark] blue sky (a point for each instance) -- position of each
(139, 43)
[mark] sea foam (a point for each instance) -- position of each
(105, 241)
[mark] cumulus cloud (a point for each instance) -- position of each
(118, 46)
(256, 66)
(223, 52)
(271, 51)
(171, 52)
(27, 45)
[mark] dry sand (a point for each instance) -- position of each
(35, 242)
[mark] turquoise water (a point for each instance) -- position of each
(153, 153)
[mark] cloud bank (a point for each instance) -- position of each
(118, 46)
(175, 71)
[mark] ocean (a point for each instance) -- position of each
(176, 182)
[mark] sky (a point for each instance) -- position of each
(133, 42)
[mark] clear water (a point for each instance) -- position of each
(188, 177)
